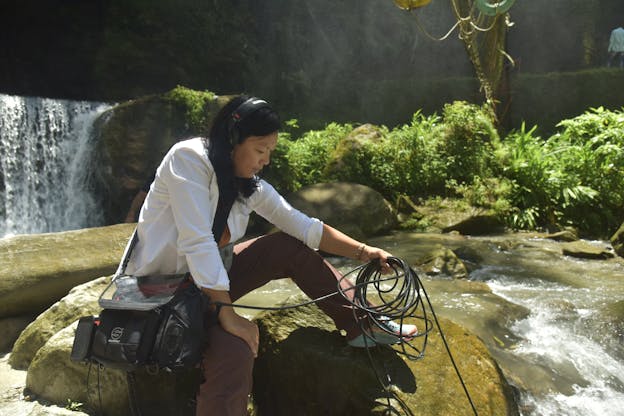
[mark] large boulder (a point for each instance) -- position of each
(305, 367)
(39, 269)
(136, 134)
(53, 377)
(344, 159)
(453, 215)
(355, 209)
(11, 328)
(80, 301)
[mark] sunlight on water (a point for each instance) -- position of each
(589, 378)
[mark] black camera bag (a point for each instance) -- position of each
(130, 334)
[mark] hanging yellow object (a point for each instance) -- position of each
(411, 4)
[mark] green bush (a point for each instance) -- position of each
(465, 141)
(590, 149)
(572, 178)
(301, 161)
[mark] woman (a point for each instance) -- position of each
(182, 228)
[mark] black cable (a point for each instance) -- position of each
(394, 297)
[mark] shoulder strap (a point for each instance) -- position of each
(224, 206)
(127, 253)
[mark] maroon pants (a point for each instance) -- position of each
(228, 361)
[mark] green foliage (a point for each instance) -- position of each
(195, 104)
(299, 162)
(590, 149)
(530, 172)
(572, 178)
(466, 141)
(406, 161)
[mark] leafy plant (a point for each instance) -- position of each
(195, 104)
(466, 140)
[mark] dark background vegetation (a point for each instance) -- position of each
(317, 61)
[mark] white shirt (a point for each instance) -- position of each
(175, 223)
(616, 42)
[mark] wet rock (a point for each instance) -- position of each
(39, 269)
(442, 261)
(477, 225)
(584, 250)
(305, 367)
(451, 215)
(564, 235)
(80, 301)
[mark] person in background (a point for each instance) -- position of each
(616, 46)
(194, 219)
(137, 201)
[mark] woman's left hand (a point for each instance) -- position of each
(370, 253)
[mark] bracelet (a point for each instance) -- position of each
(360, 251)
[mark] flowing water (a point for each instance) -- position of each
(45, 148)
(546, 320)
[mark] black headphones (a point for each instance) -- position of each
(248, 107)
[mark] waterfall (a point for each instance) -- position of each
(45, 153)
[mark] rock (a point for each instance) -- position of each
(305, 367)
(617, 241)
(39, 269)
(355, 209)
(610, 321)
(477, 225)
(80, 301)
(565, 235)
(448, 215)
(53, 377)
(136, 134)
(443, 261)
(585, 250)
(10, 328)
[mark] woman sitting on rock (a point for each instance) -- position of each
(186, 225)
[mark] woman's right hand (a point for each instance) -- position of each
(232, 322)
(241, 327)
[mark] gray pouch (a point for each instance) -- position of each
(227, 255)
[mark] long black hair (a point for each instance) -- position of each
(219, 145)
